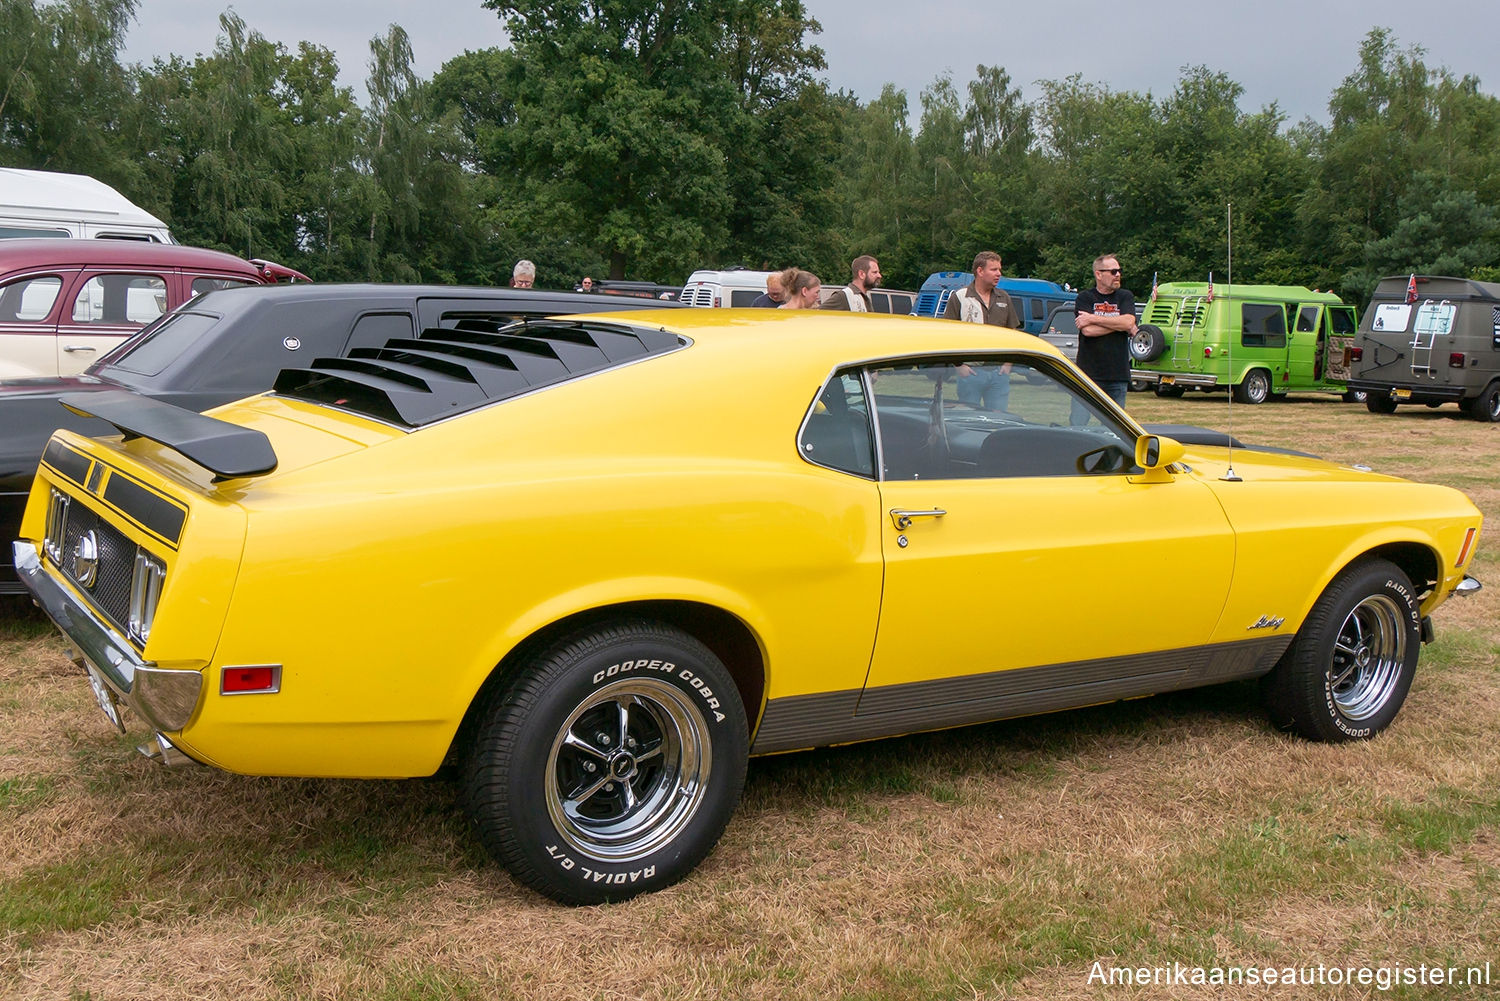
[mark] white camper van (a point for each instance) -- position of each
(41, 203)
(724, 289)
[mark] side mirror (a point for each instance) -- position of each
(1154, 453)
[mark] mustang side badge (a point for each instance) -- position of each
(1266, 622)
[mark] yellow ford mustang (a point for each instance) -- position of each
(597, 562)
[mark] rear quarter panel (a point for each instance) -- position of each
(392, 582)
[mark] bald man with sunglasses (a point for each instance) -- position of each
(1106, 319)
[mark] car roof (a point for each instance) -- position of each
(68, 252)
(848, 336)
(234, 300)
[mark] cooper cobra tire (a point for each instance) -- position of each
(1254, 388)
(1486, 407)
(610, 765)
(1351, 664)
(1380, 404)
(1148, 343)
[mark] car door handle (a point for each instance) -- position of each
(902, 519)
(79, 347)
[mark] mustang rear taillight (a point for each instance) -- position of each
(1457, 360)
(1463, 551)
(57, 522)
(251, 679)
(146, 579)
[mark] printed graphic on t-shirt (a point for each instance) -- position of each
(1106, 309)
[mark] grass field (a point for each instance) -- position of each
(998, 861)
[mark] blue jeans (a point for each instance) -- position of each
(988, 387)
(1080, 415)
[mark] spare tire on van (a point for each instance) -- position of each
(1147, 343)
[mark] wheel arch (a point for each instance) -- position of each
(726, 635)
(1419, 562)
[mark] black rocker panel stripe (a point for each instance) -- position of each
(819, 720)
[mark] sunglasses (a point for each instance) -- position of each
(1107, 271)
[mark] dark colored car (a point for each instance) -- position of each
(230, 344)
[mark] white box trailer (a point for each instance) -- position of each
(43, 203)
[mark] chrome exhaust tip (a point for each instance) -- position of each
(164, 752)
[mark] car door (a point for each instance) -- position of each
(107, 307)
(1026, 565)
(29, 307)
(1305, 348)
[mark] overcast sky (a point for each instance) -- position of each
(1292, 52)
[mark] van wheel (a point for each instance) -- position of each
(1169, 392)
(1148, 343)
(1487, 406)
(610, 765)
(1348, 670)
(1254, 388)
(1139, 385)
(1380, 404)
(1355, 396)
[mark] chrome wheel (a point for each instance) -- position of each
(1367, 658)
(628, 770)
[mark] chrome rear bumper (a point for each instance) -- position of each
(164, 699)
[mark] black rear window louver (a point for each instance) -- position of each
(448, 370)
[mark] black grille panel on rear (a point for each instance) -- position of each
(110, 593)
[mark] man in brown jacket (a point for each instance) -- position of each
(986, 386)
(855, 297)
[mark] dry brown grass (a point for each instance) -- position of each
(996, 862)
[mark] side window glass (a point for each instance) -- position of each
(201, 285)
(29, 300)
(373, 329)
(1262, 326)
(836, 432)
(1342, 320)
(121, 299)
(1307, 320)
(1037, 309)
(743, 297)
(992, 418)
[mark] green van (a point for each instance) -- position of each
(1257, 340)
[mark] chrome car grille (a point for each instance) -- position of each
(101, 567)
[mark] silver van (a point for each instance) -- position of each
(1431, 340)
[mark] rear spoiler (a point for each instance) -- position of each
(227, 450)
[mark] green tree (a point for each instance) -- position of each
(62, 89)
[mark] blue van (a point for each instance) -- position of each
(1033, 297)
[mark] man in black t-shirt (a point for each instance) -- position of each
(1106, 319)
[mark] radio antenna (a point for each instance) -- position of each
(1229, 474)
